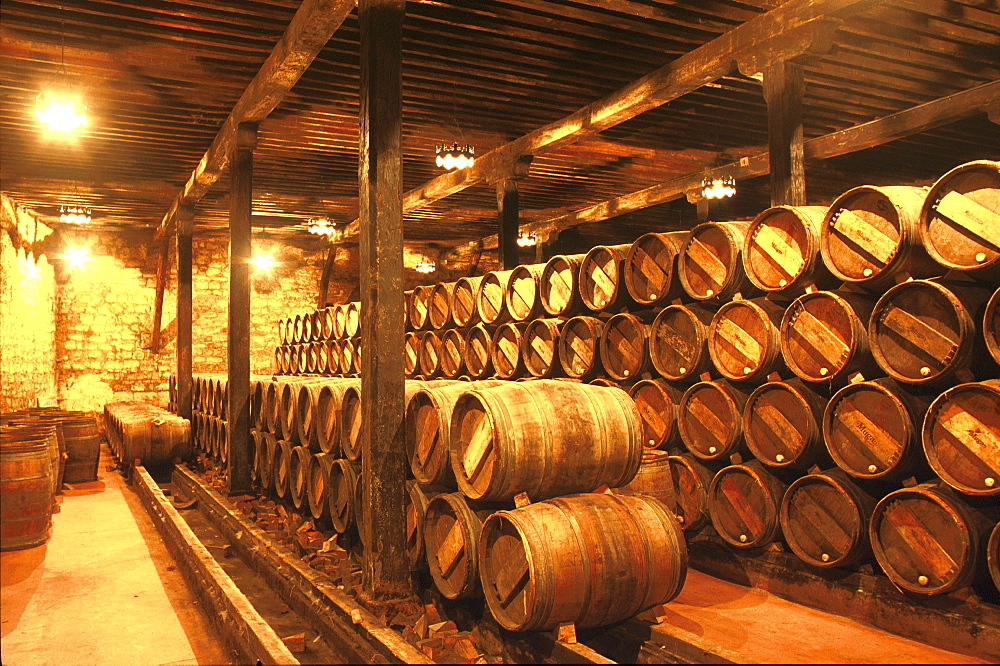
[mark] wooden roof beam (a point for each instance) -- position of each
(792, 29)
(310, 29)
(980, 99)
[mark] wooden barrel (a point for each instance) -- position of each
(350, 360)
(451, 541)
(678, 342)
(150, 434)
(22, 431)
(411, 354)
(686, 491)
(991, 326)
(339, 321)
(491, 302)
(710, 419)
(924, 331)
(824, 336)
(652, 479)
(625, 345)
(298, 476)
(328, 413)
(602, 280)
(257, 445)
(307, 408)
(430, 354)
(651, 268)
(265, 469)
(540, 347)
(559, 287)
(523, 301)
(52, 422)
(318, 486)
(463, 301)
(418, 307)
(657, 401)
(744, 339)
(453, 352)
(824, 519)
(416, 507)
(302, 359)
(871, 236)
(352, 319)
(281, 465)
(505, 350)
(342, 486)
(538, 573)
(579, 347)
(871, 429)
(781, 250)
(744, 501)
(301, 328)
(26, 486)
(782, 425)
(428, 431)
(439, 307)
(283, 332)
(350, 423)
(927, 540)
(961, 437)
(478, 347)
(711, 262)
(326, 323)
(544, 437)
(960, 219)
(993, 555)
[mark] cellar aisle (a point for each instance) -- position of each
(103, 590)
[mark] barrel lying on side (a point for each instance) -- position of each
(651, 268)
(559, 286)
(744, 339)
(781, 250)
(579, 347)
(961, 437)
(451, 540)
(824, 336)
(686, 491)
(602, 279)
(625, 345)
(657, 401)
(781, 425)
(711, 262)
(710, 419)
(744, 501)
(678, 342)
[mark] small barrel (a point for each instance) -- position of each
(283, 332)
(871, 236)
(710, 419)
(602, 279)
(453, 352)
(579, 347)
(625, 345)
(349, 356)
(505, 350)
(744, 339)
(652, 480)
(326, 324)
(298, 476)
(451, 540)
(416, 508)
(418, 307)
(872, 429)
(824, 336)
(651, 268)
(657, 403)
(544, 437)
(686, 492)
(993, 555)
(281, 466)
(991, 326)
(478, 348)
(523, 301)
(307, 408)
(329, 404)
(590, 559)
(164, 438)
(678, 342)
(559, 287)
(26, 485)
(341, 491)
(491, 302)
(318, 488)
(263, 461)
(744, 502)
(960, 219)
(781, 425)
(302, 359)
(350, 423)
(352, 319)
(463, 301)
(781, 250)
(540, 347)
(824, 519)
(317, 325)
(339, 321)
(430, 354)
(711, 262)
(927, 540)
(411, 354)
(961, 437)
(439, 308)
(301, 328)
(924, 331)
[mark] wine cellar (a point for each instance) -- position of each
(500, 331)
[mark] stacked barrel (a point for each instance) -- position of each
(321, 342)
(141, 432)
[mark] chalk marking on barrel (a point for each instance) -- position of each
(819, 336)
(784, 256)
(924, 336)
(867, 431)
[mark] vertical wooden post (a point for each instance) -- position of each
(162, 271)
(508, 222)
(380, 176)
(783, 88)
(185, 384)
(703, 210)
(240, 211)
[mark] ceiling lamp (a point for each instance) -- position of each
(77, 257)
(263, 262)
(526, 239)
(454, 157)
(426, 266)
(718, 188)
(60, 114)
(323, 226)
(74, 214)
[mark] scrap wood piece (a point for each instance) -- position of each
(295, 643)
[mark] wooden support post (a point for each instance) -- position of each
(185, 383)
(380, 174)
(704, 209)
(162, 272)
(240, 211)
(508, 221)
(783, 88)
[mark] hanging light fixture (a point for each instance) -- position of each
(323, 226)
(526, 239)
(262, 262)
(718, 188)
(77, 257)
(61, 112)
(426, 266)
(74, 214)
(454, 156)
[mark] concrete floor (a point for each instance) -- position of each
(103, 590)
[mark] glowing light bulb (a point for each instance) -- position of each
(263, 262)
(60, 114)
(77, 257)
(449, 161)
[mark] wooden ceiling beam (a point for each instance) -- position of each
(308, 32)
(785, 32)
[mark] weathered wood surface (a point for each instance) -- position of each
(824, 336)
(961, 437)
(782, 425)
(781, 253)
(784, 85)
(744, 501)
(744, 339)
(678, 341)
(710, 419)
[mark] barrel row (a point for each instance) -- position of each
(337, 322)
(141, 432)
